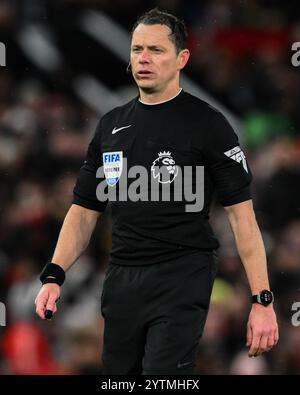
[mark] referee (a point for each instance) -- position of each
(157, 287)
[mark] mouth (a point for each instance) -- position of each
(144, 73)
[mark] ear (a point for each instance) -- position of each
(183, 58)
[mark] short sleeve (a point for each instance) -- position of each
(84, 193)
(226, 162)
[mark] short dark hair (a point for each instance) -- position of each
(156, 17)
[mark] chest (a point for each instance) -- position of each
(153, 140)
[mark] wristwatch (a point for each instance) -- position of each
(265, 297)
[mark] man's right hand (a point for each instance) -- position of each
(46, 299)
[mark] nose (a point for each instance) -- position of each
(144, 57)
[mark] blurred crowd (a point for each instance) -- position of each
(241, 56)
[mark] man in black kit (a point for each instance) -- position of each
(157, 286)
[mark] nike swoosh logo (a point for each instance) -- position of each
(115, 130)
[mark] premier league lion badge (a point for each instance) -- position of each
(164, 168)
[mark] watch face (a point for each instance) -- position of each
(266, 297)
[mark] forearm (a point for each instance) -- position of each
(74, 236)
(250, 248)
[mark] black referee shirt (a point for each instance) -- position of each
(183, 131)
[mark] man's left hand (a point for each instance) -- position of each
(262, 330)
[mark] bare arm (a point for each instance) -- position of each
(75, 235)
(73, 239)
(262, 329)
(249, 244)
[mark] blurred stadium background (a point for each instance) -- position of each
(66, 66)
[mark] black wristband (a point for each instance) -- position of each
(50, 280)
(55, 272)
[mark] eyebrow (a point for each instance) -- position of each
(148, 46)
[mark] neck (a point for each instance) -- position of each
(156, 97)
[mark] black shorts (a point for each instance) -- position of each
(155, 314)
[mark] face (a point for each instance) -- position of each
(154, 61)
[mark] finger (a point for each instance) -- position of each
(40, 312)
(271, 340)
(276, 335)
(263, 345)
(51, 304)
(254, 345)
(41, 299)
(249, 336)
(269, 347)
(49, 313)
(41, 306)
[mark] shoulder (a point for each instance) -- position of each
(109, 120)
(213, 128)
(116, 113)
(203, 110)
